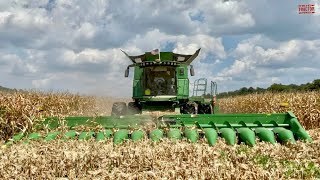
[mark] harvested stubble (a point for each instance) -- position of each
(305, 105)
(146, 160)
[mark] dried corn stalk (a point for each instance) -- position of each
(166, 160)
(306, 106)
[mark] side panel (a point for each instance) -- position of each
(164, 56)
(137, 83)
(183, 88)
(182, 82)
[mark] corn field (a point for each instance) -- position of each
(20, 111)
(148, 160)
(306, 106)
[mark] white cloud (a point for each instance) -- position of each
(294, 61)
(40, 83)
(86, 31)
(183, 44)
(7, 59)
(74, 45)
(226, 17)
(13, 64)
(22, 29)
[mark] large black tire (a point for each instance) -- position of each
(205, 109)
(188, 108)
(119, 109)
(133, 108)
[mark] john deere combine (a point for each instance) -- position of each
(162, 108)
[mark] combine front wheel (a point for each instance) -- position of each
(205, 109)
(188, 108)
(119, 109)
(133, 108)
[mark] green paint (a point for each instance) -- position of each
(101, 136)
(34, 136)
(137, 135)
(164, 56)
(86, 135)
(105, 121)
(211, 136)
(156, 135)
(18, 137)
(229, 135)
(70, 134)
(120, 136)
(204, 120)
(285, 126)
(108, 133)
(51, 136)
(183, 88)
(247, 136)
(266, 135)
(298, 130)
(192, 135)
(137, 83)
(284, 135)
(174, 134)
(177, 68)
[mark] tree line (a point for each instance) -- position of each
(314, 86)
(4, 89)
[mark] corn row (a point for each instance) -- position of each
(306, 106)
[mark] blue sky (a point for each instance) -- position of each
(74, 45)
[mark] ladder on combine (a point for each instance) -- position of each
(200, 88)
(200, 94)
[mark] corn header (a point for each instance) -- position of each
(163, 108)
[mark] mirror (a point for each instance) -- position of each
(126, 73)
(191, 70)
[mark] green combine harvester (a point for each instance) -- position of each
(162, 108)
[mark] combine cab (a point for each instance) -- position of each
(161, 84)
(162, 108)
